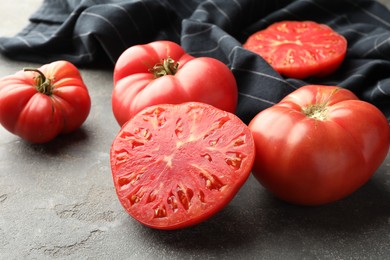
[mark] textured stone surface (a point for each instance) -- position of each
(57, 200)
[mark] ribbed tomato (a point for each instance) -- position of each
(39, 104)
(161, 72)
(318, 145)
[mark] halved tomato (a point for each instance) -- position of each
(176, 165)
(299, 49)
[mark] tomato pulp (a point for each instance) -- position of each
(176, 165)
(299, 49)
(318, 145)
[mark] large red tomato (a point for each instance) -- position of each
(161, 72)
(176, 165)
(299, 49)
(39, 104)
(318, 145)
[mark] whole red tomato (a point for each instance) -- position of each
(318, 145)
(299, 49)
(174, 166)
(39, 104)
(161, 72)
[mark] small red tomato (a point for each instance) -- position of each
(39, 104)
(176, 165)
(318, 145)
(162, 72)
(299, 49)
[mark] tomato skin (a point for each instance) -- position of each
(174, 166)
(299, 49)
(311, 161)
(202, 79)
(38, 117)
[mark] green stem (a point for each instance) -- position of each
(42, 84)
(166, 67)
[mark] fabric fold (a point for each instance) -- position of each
(96, 32)
(365, 25)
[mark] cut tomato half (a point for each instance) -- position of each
(174, 166)
(299, 49)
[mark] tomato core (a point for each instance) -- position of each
(316, 111)
(42, 84)
(165, 67)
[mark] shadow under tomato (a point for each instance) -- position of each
(257, 218)
(232, 227)
(63, 145)
(364, 212)
(225, 230)
(61, 142)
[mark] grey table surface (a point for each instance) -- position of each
(58, 201)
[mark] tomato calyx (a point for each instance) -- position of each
(316, 111)
(319, 110)
(166, 67)
(42, 83)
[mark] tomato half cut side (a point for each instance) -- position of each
(174, 166)
(299, 49)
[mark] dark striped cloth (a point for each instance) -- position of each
(96, 32)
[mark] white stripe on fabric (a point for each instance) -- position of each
(369, 13)
(135, 25)
(379, 87)
(42, 36)
(198, 32)
(24, 41)
(371, 37)
(232, 50)
(39, 34)
(199, 11)
(213, 49)
(221, 11)
(376, 46)
(334, 23)
(354, 31)
(238, 4)
(257, 98)
(82, 35)
(264, 75)
(288, 11)
(90, 55)
(183, 3)
(108, 22)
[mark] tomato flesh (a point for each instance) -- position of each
(299, 49)
(174, 166)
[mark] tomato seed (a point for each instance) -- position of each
(121, 157)
(207, 156)
(234, 160)
(160, 212)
